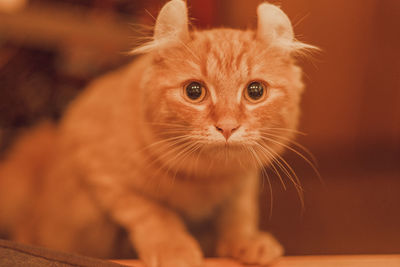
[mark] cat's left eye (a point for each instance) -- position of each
(194, 92)
(255, 91)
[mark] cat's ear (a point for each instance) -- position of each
(171, 28)
(274, 28)
(172, 22)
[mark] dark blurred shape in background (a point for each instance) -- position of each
(49, 50)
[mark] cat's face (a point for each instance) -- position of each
(224, 90)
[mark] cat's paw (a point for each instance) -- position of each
(261, 248)
(181, 250)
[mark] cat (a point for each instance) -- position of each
(176, 137)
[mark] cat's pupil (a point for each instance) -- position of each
(194, 90)
(255, 90)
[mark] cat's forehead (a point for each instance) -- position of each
(227, 48)
(226, 55)
(228, 41)
(224, 59)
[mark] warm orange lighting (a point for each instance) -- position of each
(10, 6)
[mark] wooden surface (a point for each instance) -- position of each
(307, 261)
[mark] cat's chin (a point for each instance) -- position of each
(224, 146)
(227, 152)
(239, 153)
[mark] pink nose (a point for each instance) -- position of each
(227, 129)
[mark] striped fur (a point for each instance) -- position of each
(131, 152)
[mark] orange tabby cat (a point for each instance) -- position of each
(177, 137)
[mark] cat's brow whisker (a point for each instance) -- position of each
(300, 20)
(190, 50)
(148, 12)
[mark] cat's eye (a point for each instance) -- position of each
(194, 92)
(255, 92)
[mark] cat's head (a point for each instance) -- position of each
(223, 90)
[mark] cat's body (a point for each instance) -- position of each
(131, 152)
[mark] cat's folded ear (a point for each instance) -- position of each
(171, 27)
(275, 29)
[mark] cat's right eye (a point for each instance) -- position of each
(194, 92)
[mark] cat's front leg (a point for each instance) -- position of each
(239, 236)
(157, 233)
(162, 241)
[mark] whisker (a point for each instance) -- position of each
(296, 152)
(308, 152)
(189, 50)
(160, 167)
(186, 153)
(299, 21)
(271, 197)
(174, 150)
(148, 12)
(173, 147)
(285, 130)
(178, 150)
(290, 173)
(273, 162)
(190, 150)
(242, 148)
(167, 124)
(198, 155)
(166, 141)
(174, 159)
(264, 175)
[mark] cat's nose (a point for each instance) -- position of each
(227, 129)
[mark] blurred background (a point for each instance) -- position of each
(49, 51)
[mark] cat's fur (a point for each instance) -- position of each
(132, 152)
